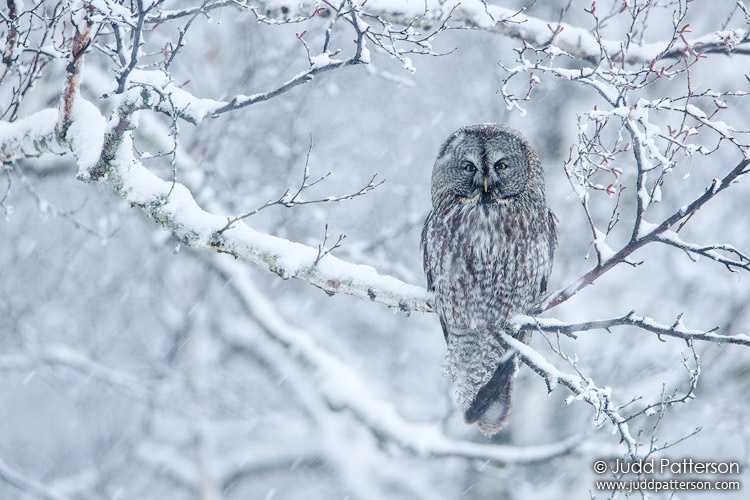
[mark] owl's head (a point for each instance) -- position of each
(485, 164)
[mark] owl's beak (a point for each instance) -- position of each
(485, 185)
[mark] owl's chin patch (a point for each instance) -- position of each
(483, 198)
(467, 199)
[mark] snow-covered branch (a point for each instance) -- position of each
(31, 137)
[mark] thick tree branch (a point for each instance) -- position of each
(178, 213)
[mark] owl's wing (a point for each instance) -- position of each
(552, 231)
(427, 265)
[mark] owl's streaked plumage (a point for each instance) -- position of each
(488, 246)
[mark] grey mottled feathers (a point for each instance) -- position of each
(488, 248)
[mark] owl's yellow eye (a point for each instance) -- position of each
(468, 166)
(501, 165)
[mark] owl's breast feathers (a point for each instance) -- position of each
(487, 262)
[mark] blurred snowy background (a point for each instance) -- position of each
(132, 367)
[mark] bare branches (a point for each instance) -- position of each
(323, 251)
(598, 164)
(290, 200)
(27, 49)
(658, 233)
(10, 53)
(676, 329)
(137, 33)
(670, 399)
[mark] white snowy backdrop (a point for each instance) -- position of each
(146, 351)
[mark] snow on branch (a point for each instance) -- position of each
(172, 206)
(163, 16)
(343, 389)
(31, 137)
(601, 398)
(104, 151)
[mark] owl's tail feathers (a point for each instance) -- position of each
(491, 406)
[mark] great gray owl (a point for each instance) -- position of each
(488, 245)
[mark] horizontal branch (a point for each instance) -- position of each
(724, 254)
(676, 329)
